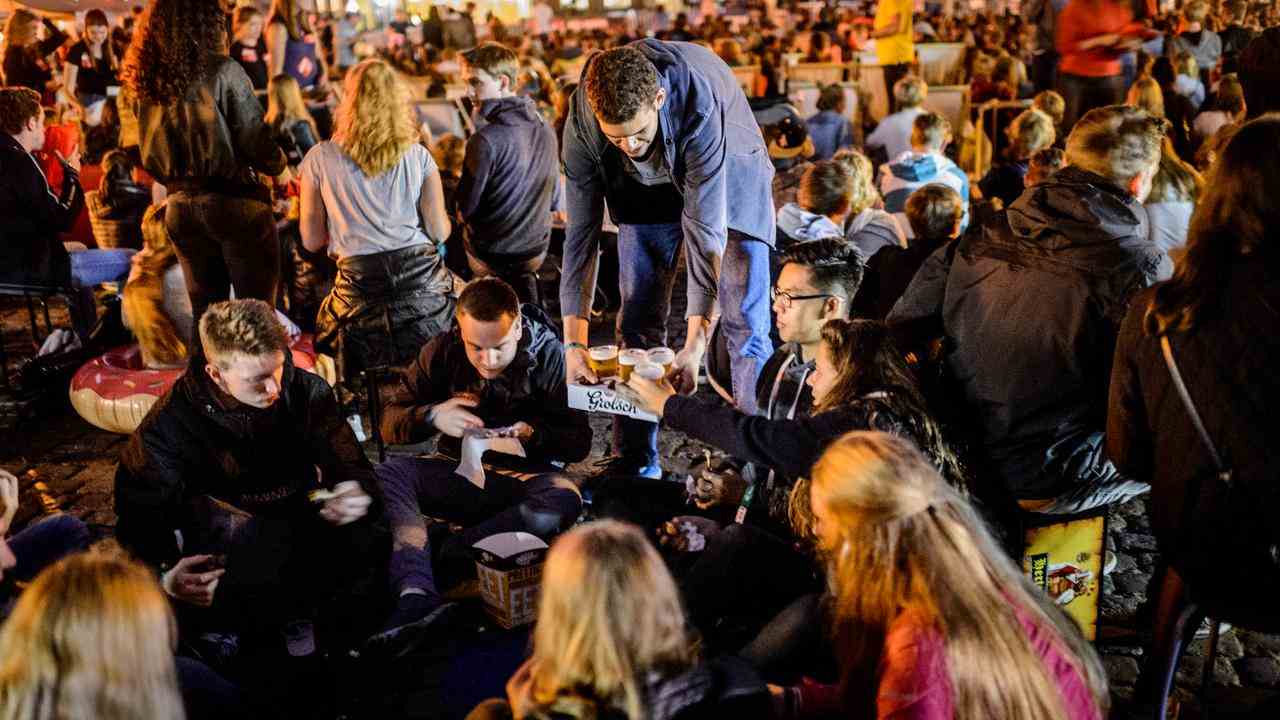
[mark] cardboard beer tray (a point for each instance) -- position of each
(603, 398)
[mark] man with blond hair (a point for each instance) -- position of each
(244, 486)
(1030, 303)
(894, 131)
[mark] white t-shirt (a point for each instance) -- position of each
(369, 215)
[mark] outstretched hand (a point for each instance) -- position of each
(8, 500)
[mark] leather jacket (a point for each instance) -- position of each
(211, 140)
(384, 307)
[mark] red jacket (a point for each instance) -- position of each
(1084, 19)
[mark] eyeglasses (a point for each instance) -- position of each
(784, 298)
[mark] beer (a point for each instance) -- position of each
(627, 361)
(603, 360)
(649, 371)
(663, 356)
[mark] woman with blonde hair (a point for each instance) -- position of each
(62, 648)
(372, 198)
(25, 54)
(1174, 191)
(1145, 93)
(867, 225)
(930, 618)
(287, 114)
(611, 641)
(156, 307)
(1030, 132)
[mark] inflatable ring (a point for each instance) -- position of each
(114, 391)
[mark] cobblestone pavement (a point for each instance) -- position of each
(67, 465)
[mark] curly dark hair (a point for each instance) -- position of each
(619, 83)
(170, 47)
(835, 265)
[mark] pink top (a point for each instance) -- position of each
(914, 682)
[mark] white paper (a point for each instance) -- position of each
(475, 445)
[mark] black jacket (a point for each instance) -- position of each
(531, 390)
(1030, 306)
(261, 461)
(31, 216)
(888, 275)
(1228, 365)
(384, 307)
(211, 140)
(508, 180)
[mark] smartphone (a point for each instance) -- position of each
(215, 562)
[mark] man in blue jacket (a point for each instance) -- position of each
(663, 133)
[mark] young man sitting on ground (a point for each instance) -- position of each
(244, 485)
(500, 367)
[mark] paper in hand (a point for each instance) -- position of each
(474, 445)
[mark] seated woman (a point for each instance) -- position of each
(116, 207)
(287, 114)
(366, 195)
(611, 642)
(860, 381)
(1174, 191)
(1030, 132)
(867, 225)
(61, 649)
(156, 306)
(920, 596)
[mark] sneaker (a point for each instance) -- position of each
(619, 465)
(1206, 627)
(399, 641)
(1109, 562)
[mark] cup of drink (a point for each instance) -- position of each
(603, 360)
(664, 356)
(649, 371)
(627, 361)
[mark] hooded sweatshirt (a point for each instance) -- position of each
(800, 225)
(1031, 302)
(912, 171)
(508, 180)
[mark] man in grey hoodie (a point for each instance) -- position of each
(663, 132)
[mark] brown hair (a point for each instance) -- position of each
(244, 14)
(901, 544)
(1118, 142)
(825, 189)
(619, 83)
(62, 649)
(1052, 104)
(862, 178)
(488, 299)
(934, 211)
(21, 30)
(245, 327)
(930, 130)
(1235, 217)
(1145, 93)
(18, 105)
(831, 98)
(450, 152)
(496, 60)
(171, 46)
(143, 300)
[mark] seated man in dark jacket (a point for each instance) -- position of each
(1030, 304)
(244, 485)
(500, 367)
(509, 176)
(32, 214)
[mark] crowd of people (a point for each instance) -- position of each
(910, 360)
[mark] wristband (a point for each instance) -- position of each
(572, 345)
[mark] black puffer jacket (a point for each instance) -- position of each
(211, 140)
(531, 389)
(1030, 308)
(261, 461)
(384, 307)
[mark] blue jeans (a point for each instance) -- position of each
(90, 268)
(647, 259)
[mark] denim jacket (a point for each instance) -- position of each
(718, 161)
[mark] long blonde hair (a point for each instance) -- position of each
(905, 541)
(374, 126)
(859, 168)
(143, 301)
(92, 637)
(609, 615)
(285, 105)
(1175, 180)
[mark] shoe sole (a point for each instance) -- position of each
(398, 642)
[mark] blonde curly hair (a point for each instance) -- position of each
(374, 125)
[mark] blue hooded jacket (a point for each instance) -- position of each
(718, 162)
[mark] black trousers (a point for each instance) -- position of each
(224, 242)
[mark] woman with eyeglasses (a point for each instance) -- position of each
(860, 381)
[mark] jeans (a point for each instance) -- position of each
(90, 268)
(224, 242)
(412, 487)
(521, 276)
(1083, 94)
(647, 259)
(1091, 480)
(40, 545)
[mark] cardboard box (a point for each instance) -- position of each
(602, 399)
(509, 566)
